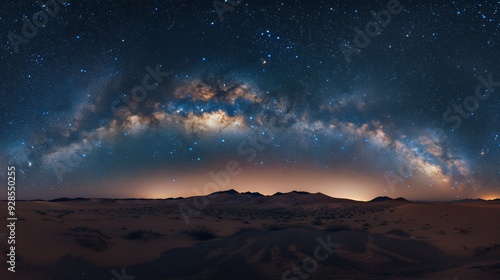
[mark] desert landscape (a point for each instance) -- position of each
(252, 236)
(249, 140)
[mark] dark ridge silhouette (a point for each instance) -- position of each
(470, 200)
(257, 194)
(231, 191)
(292, 192)
(380, 199)
(64, 199)
(300, 192)
(386, 198)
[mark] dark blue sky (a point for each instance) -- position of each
(105, 91)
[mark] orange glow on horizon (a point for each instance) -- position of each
(159, 185)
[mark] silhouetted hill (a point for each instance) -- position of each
(256, 194)
(294, 192)
(386, 198)
(465, 200)
(64, 199)
(231, 191)
(470, 200)
(293, 198)
(229, 197)
(380, 199)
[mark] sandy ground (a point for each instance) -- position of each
(396, 240)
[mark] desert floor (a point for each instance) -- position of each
(150, 239)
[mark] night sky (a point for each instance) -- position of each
(148, 98)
